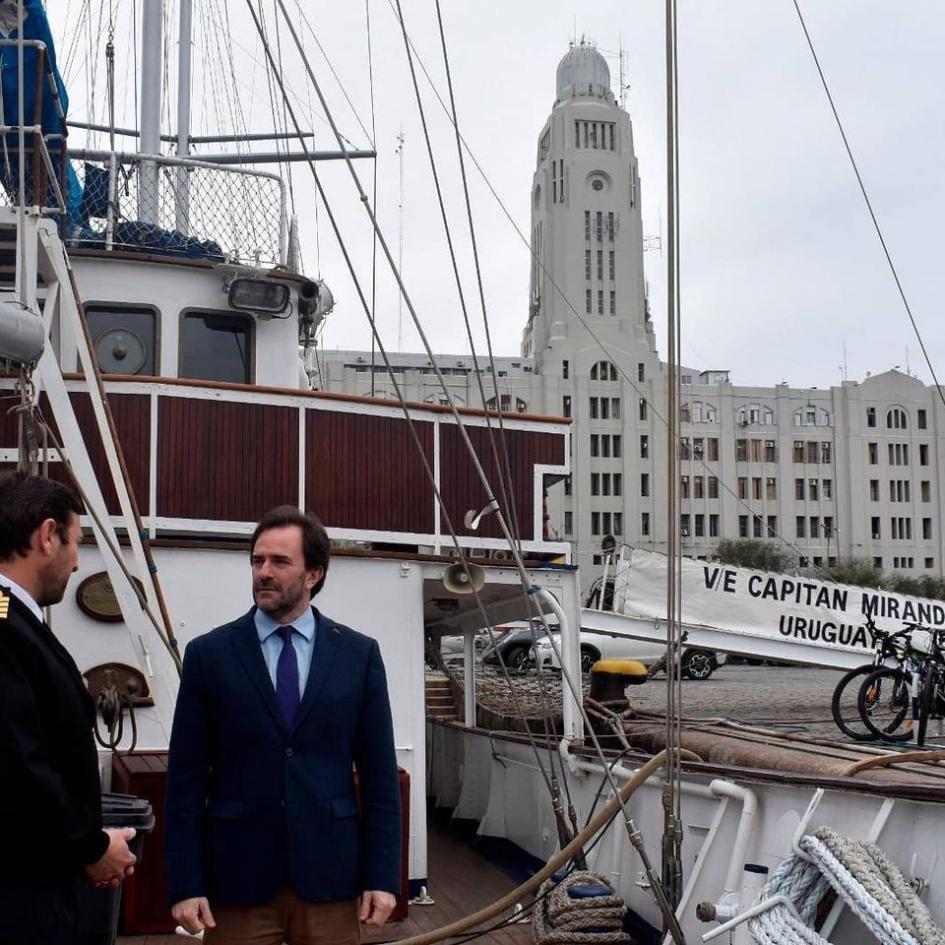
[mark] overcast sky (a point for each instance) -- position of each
(780, 266)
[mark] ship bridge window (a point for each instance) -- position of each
(124, 337)
(216, 346)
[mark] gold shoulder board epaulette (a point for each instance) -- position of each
(4, 603)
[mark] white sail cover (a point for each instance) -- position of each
(786, 607)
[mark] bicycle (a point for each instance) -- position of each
(896, 703)
(844, 705)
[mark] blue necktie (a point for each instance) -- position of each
(287, 678)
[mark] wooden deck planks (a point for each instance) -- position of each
(460, 881)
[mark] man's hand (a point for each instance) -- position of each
(193, 914)
(116, 862)
(376, 906)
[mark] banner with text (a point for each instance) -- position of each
(775, 606)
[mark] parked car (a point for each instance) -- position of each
(515, 647)
(696, 663)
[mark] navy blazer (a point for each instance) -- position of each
(251, 805)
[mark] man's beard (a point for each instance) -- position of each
(285, 602)
(52, 587)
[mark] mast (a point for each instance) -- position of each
(152, 27)
(182, 191)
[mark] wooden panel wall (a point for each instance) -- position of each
(463, 491)
(365, 472)
(225, 461)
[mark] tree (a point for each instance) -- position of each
(753, 553)
(861, 572)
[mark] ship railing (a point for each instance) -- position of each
(37, 182)
(198, 209)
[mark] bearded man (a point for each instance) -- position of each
(50, 793)
(266, 839)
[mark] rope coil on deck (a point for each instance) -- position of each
(560, 918)
(865, 878)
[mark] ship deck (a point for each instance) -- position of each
(461, 881)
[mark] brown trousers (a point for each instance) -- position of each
(286, 919)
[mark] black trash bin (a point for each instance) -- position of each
(98, 908)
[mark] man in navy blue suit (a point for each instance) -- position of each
(268, 840)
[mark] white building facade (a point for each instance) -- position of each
(843, 472)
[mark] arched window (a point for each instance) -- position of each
(685, 414)
(896, 419)
(812, 416)
(440, 398)
(604, 371)
(767, 415)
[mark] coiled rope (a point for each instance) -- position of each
(859, 872)
(563, 918)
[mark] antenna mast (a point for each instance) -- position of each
(152, 27)
(400, 248)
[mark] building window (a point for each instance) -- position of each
(593, 408)
(741, 451)
(641, 372)
(923, 454)
(616, 439)
(872, 453)
(800, 526)
(826, 453)
(927, 529)
(874, 490)
(567, 485)
(595, 523)
(645, 524)
(698, 447)
(826, 486)
(699, 522)
(828, 527)
(929, 563)
(618, 483)
(799, 489)
(600, 264)
(713, 487)
(604, 371)
(644, 484)
(871, 416)
(588, 302)
(814, 526)
(925, 490)
(896, 419)
(772, 526)
(566, 406)
(713, 442)
(644, 446)
(713, 526)
(813, 451)
(798, 451)
(875, 529)
(587, 225)
(595, 444)
(587, 265)
(611, 265)
(757, 526)
(771, 452)
(565, 369)
(599, 220)
(743, 487)
(756, 488)
(569, 523)
(921, 420)
(742, 526)
(771, 488)
(684, 525)
(610, 226)
(618, 523)
(683, 487)
(600, 301)
(613, 302)
(698, 487)
(643, 408)
(878, 563)
(595, 483)
(812, 489)
(685, 450)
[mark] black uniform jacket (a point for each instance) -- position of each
(50, 792)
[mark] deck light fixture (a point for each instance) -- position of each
(258, 295)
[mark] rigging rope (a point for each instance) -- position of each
(859, 872)
(701, 463)
(869, 205)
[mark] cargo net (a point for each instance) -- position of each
(217, 213)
